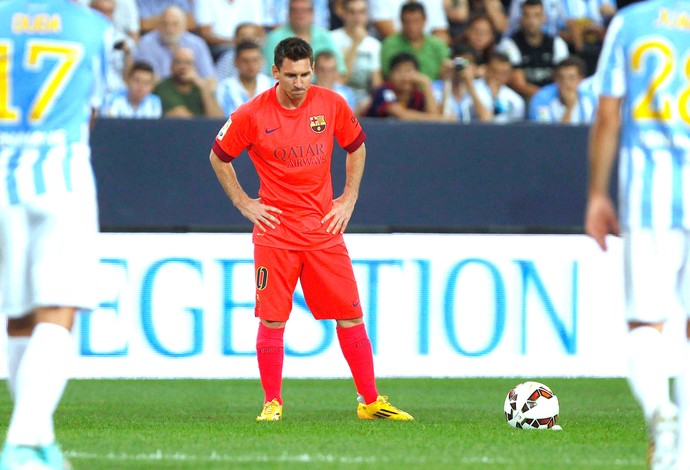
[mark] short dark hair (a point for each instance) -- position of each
(500, 56)
(140, 66)
(294, 49)
(244, 24)
(325, 54)
(411, 7)
(245, 45)
(573, 61)
(532, 3)
(403, 58)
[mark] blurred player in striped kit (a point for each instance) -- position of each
(644, 105)
(52, 63)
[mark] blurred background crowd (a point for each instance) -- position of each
(426, 60)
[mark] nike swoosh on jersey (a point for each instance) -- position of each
(268, 131)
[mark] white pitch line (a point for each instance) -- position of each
(161, 456)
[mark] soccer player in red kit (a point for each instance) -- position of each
(288, 132)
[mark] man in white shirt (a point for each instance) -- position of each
(119, 56)
(326, 75)
(126, 18)
(249, 81)
(362, 52)
(494, 101)
(218, 19)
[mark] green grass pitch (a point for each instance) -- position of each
(209, 424)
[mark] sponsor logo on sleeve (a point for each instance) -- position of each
(224, 129)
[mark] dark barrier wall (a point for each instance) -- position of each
(155, 175)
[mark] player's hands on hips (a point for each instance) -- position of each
(260, 214)
(601, 219)
(339, 215)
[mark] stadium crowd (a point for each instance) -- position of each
(432, 60)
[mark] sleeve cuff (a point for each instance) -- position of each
(357, 142)
(221, 154)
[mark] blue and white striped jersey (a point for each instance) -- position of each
(646, 62)
(546, 106)
(52, 71)
(117, 105)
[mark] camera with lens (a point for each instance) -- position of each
(459, 63)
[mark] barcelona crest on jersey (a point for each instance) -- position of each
(317, 123)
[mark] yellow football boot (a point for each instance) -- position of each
(273, 411)
(381, 409)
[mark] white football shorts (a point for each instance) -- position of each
(657, 274)
(48, 254)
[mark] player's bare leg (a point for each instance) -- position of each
(270, 353)
(356, 347)
(650, 385)
(38, 376)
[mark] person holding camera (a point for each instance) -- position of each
(458, 83)
(492, 100)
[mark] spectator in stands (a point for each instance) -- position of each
(157, 46)
(554, 11)
(386, 19)
(277, 13)
(137, 100)
(457, 13)
(481, 37)
(336, 8)
(326, 75)
(185, 93)
(430, 51)
(495, 102)
(532, 52)
(301, 24)
(150, 12)
(493, 10)
(406, 94)
(225, 65)
(361, 51)
(450, 92)
(218, 19)
(568, 100)
(249, 82)
(120, 57)
(585, 26)
(126, 18)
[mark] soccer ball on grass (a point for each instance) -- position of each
(531, 405)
